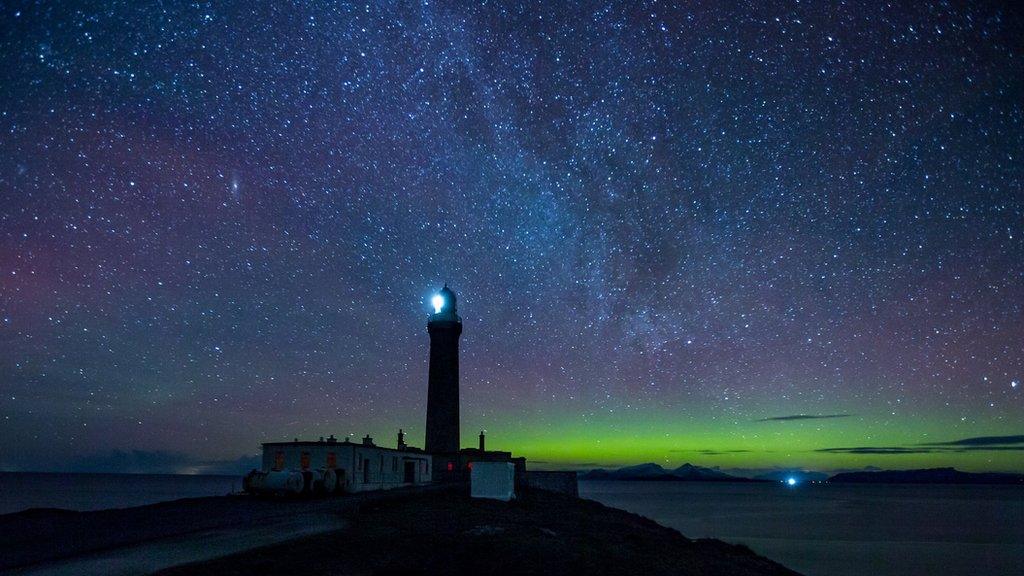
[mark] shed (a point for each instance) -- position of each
(496, 480)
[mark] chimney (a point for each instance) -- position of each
(367, 440)
(401, 439)
(331, 439)
(481, 440)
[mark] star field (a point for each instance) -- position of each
(671, 227)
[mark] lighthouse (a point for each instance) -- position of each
(444, 327)
(329, 466)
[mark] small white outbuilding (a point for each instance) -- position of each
(496, 480)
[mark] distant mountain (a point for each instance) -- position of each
(798, 475)
(691, 472)
(927, 476)
(649, 471)
(864, 469)
(654, 472)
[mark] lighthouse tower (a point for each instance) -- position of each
(444, 327)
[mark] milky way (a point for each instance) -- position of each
(770, 234)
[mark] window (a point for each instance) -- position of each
(394, 463)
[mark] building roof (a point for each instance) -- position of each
(409, 449)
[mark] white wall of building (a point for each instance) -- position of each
(365, 467)
(496, 480)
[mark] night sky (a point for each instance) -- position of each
(775, 234)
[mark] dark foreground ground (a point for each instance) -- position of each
(448, 533)
(429, 530)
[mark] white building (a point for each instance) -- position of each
(358, 467)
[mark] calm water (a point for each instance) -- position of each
(841, 530)
(19, 491)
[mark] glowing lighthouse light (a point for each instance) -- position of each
(438, 302)
(791, 481)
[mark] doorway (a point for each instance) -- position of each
(410, 472)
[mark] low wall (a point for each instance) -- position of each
(561, 482)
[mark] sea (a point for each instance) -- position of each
(815, 529)
(843, 529)
(23, 490)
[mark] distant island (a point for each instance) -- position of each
(651, 472)
(926, 476)
(654, 472)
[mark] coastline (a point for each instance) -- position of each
(436, 529)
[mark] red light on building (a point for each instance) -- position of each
(469, 465)
(451, 466)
